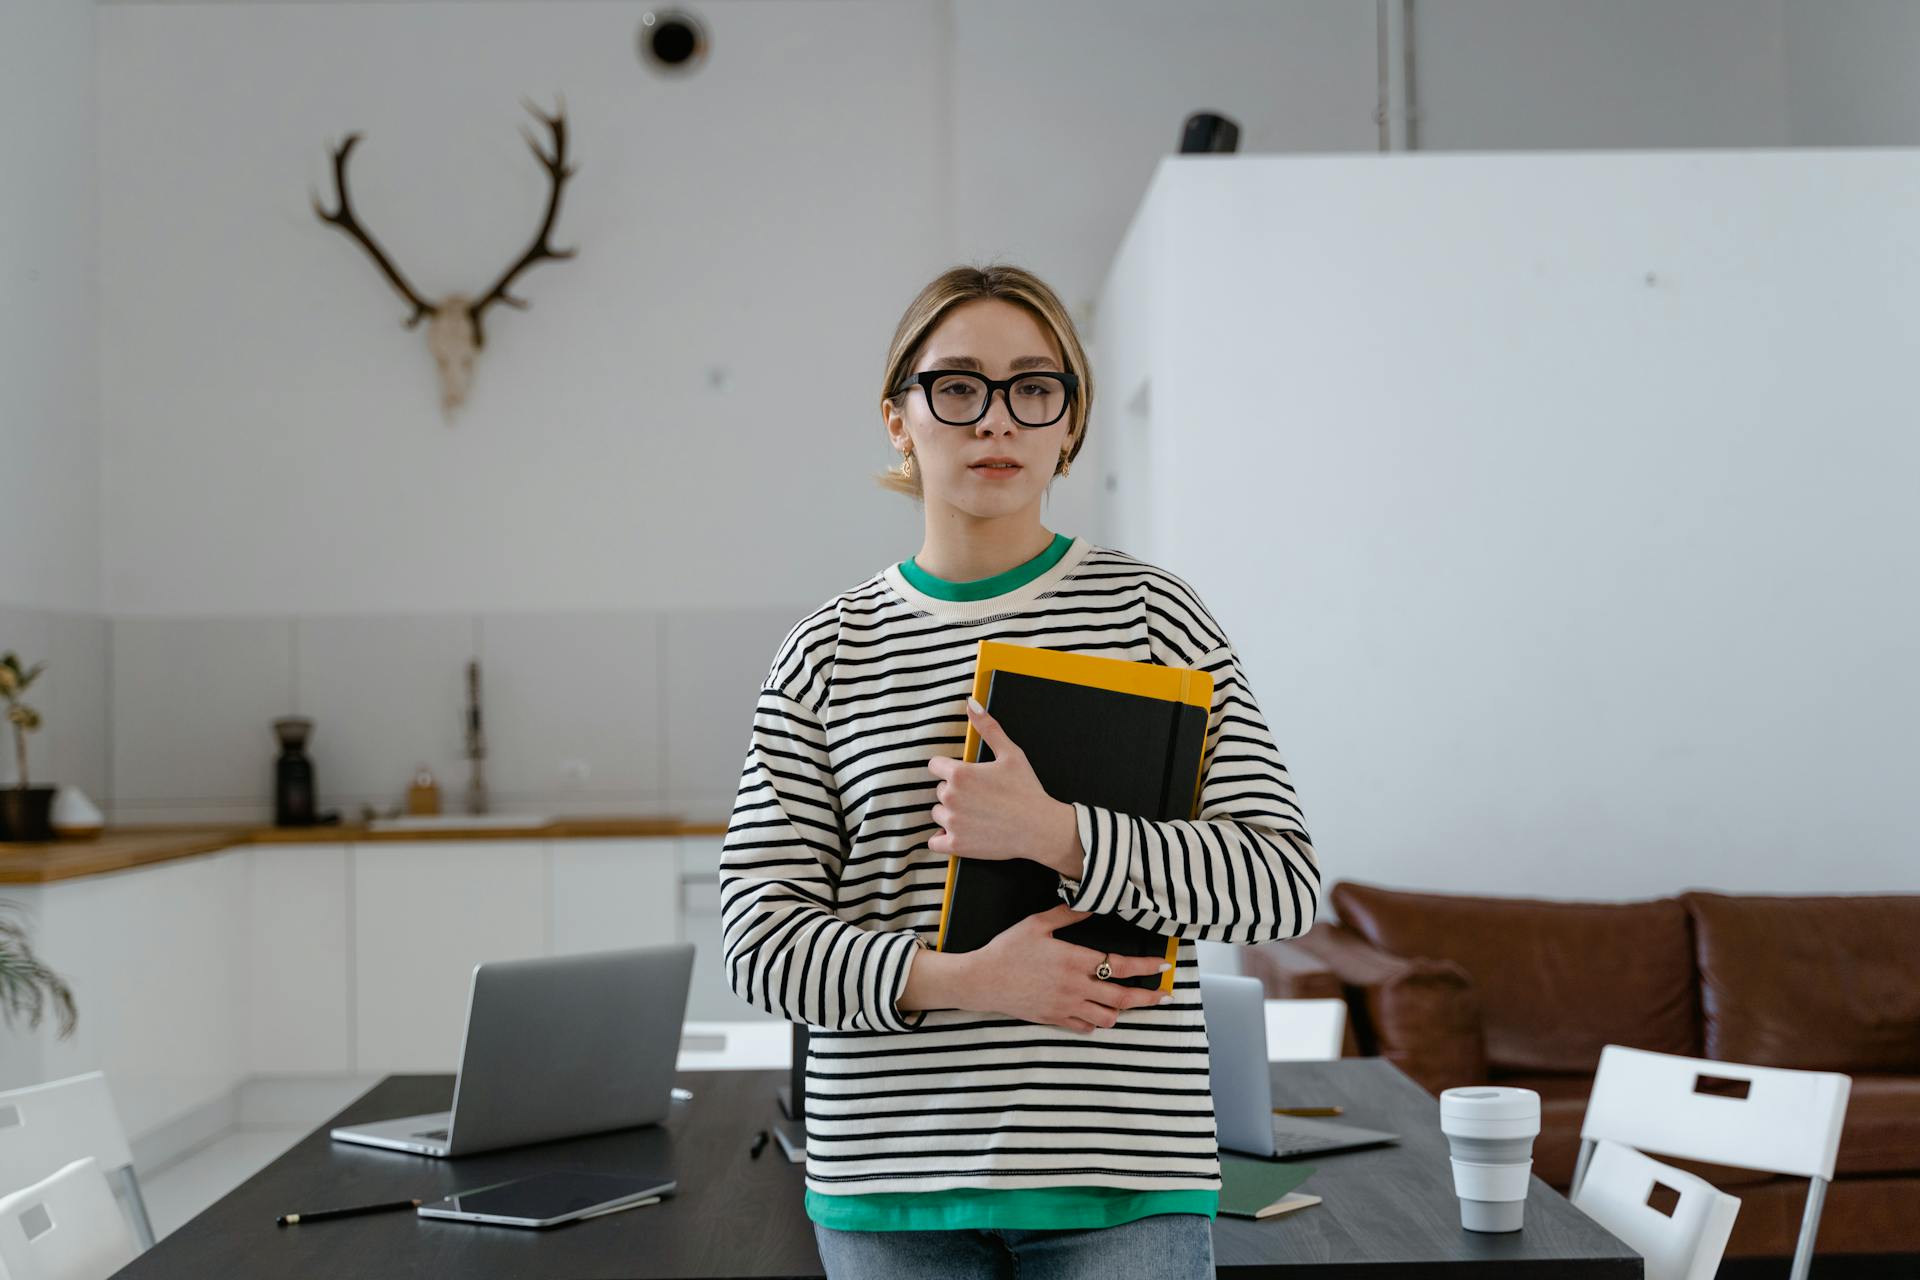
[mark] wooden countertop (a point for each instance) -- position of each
(118, 848)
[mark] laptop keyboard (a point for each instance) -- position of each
(1289, 1141)
(1310, 1137)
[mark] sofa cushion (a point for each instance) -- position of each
(1557, 981)
(1819, 983)
(1860, 1215)
(1881, 1133)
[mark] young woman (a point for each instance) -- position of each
(974, 1114)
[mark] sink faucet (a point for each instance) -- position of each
(476, 744)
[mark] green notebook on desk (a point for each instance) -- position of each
(1261, 1188)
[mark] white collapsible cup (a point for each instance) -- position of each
(1491, 1129)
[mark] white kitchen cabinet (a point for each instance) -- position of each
(297, 942)
(709, 999)
(424, 914)
(153, 955)
(616, 893)
(272, 961)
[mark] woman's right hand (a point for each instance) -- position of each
(1027, 973)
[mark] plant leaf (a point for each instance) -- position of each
(26, 984)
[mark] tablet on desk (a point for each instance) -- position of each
(548, 1199)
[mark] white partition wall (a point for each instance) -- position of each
(1562, 507)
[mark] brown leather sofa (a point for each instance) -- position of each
(1472, 990)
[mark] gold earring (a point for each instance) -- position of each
(1065, 462)
(906, 467)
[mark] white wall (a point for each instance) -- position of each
(272, 442)
(1560, 505)
(49, 426)
(1570, 74)
(1538, 75)
(1850, 78)
(276, 479)
(687, 414)
(1095, 91)
(665, 459)
(50, 448)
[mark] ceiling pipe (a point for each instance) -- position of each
(1383, 111)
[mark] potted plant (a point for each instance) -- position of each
(26, 812)
(26, 984)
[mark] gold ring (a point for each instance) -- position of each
(1105, 970)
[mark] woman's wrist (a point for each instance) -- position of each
(1065, 853)
(938, 980)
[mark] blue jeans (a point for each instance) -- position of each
(1162, 1246)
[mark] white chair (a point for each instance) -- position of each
(1305, 1030)
(44, 1127)
(735, 1046)
(1767, 1118)
(1684, 1242)
(64, 1227)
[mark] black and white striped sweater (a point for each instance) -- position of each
(827, 886)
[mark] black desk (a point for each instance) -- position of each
(1387, 1212)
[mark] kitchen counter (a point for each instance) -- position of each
(120, 847)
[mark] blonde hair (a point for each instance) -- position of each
(964, 284)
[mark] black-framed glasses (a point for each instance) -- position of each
(961, 397)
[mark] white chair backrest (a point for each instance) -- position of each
(735, 1046)
(46, 1126)
(1305, 1030)
(65, 1226)
(1681, 1239)
(1769, 1118)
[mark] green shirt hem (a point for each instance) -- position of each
(1027, 1208)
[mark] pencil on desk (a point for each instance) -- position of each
(288, 1219)
(1306, 1111)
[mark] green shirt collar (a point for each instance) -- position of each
(985, 588)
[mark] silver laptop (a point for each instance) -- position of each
(1243, 1086)
(556, 1047)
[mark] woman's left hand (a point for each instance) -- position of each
(996, 809)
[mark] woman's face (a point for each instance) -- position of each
(999, 339)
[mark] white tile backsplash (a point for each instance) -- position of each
(387, 693)
(574, 688)
(76, 679)
(715, 663)
(170, 719)
(194, 700)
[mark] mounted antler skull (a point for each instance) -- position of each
(454, 332)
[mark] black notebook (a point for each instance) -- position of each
(1127, 736)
